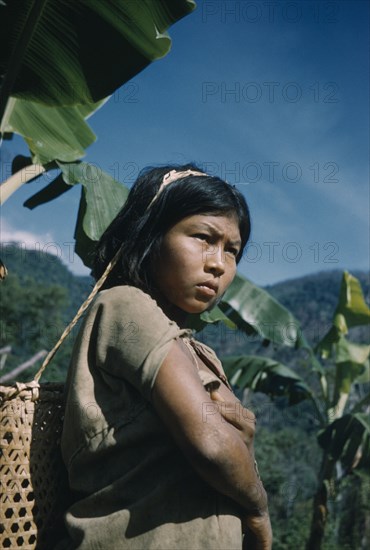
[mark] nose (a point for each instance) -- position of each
(214, 260)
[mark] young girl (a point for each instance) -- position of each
(158, 449)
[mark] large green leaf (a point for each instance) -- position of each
(265, 375)
(60, 60)
(64, 53)
(104, 195)
(351, 311)
(101, 199)
(346, 351)
(346, 374)
(254, 310)
(51, 132)
(351, 366)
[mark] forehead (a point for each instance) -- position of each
(224, 224)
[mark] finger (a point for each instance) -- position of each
(216, 396)
(225, 408)
(235, 408)
(236, 413)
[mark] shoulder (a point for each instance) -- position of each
(131, 336)
(124, 294)
(127, 315)
(130, 304)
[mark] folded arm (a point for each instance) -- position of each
(211, 444)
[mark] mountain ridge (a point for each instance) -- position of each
(311, 298)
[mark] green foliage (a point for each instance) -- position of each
(286, 448)
(253, 310)
(101, 199)
(31, 317)
(267, 376)
(345, 428)
(249, 308)
(351, 363)
(37, 300)
(55, 75)
(290, 481)
(64, 63)
(351, 311)
(52, 133)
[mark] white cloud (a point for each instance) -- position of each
(28, 239)
(47, 243)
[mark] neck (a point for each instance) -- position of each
(173, 312)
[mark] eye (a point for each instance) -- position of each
(202, 236)
(233, 251)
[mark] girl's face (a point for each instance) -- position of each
(197, 262)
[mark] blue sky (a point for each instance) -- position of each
(272, 96)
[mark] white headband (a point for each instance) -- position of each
(173, 176)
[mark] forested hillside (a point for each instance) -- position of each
(40, 296)
(37, 300)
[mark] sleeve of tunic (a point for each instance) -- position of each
(133, 336)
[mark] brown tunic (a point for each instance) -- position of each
(135, 490)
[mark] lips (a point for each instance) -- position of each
(208, 287)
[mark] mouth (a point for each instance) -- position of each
(209, 288)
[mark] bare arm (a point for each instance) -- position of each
(257, 528)
(211, 444)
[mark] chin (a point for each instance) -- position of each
(199, 307)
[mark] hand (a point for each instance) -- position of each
(258, 532)
(238, 416)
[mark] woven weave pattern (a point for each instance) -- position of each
(34, 488)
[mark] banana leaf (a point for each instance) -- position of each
(65, 53)
(102, 197)
(59, 62)
(254, 310)
(351, 311)
(52, 132)
(262, 374)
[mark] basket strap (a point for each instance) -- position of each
(79, 313)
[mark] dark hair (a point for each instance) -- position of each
(139, 228)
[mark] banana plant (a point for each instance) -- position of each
(249, 308)
(345, 437)
(59, 62)
(57, 53)
(341, 403)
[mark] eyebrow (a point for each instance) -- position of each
(210, 226)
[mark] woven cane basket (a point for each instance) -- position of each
(33, 479)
